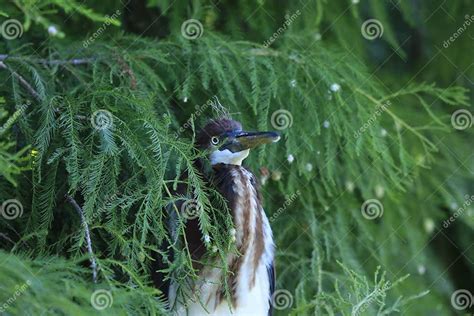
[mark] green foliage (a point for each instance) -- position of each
(112, 124)
(55, 286)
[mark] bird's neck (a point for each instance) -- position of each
(239, 187)
(246, 210)
(253, 235)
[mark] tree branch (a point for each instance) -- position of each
(22, 80)
(75, 61)
(88, 235)
(5, 236)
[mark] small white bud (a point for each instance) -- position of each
(421, 269)
(350, 186)
(383, 132)
(429, 225)
(335, 87)
(379, 191)
(309, 167)
(207, 239)
(326, 124)
(52, 30)
(276, 175)
(290, 158)
(293, 83)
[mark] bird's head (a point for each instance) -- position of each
(228, 144)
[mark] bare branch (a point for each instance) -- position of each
(88, 235)
(75, 61)
(22, 80)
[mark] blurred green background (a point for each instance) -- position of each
(370, 193)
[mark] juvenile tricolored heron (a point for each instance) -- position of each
(252, 275)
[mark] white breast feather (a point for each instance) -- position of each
(254, 302)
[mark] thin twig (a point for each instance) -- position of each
(182, 227)
(30, 89)
(22, 80)
(88, 235)
(400, 121)
(5, 236)
(74, 61)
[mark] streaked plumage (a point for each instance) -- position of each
(252, 281)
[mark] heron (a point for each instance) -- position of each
(252, 273)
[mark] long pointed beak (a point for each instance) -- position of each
(248, 140)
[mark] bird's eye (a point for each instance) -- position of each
(215, 140)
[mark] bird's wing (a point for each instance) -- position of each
(271, 280)
(196, 247)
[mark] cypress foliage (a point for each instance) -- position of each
(100, 103)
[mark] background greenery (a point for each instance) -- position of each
(132, 61)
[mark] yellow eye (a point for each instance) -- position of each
(214, 140)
